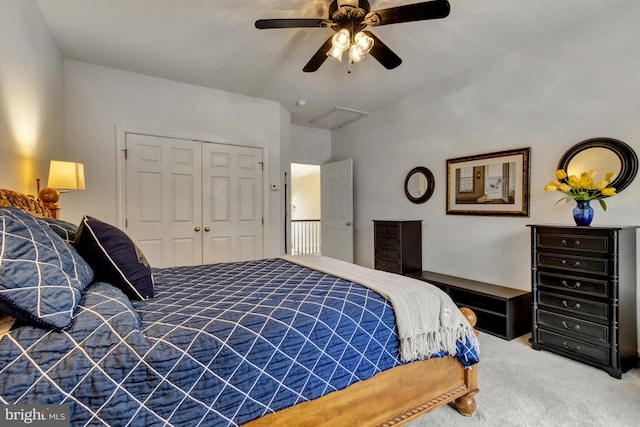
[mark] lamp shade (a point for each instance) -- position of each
(66, 175)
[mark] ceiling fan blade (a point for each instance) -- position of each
(383, 54)
(412, 12)
(318, 58)
(264, 24)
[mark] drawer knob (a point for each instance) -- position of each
(574, 265)
(575, 243)
(571, 328)
(576, 285)
(569, 348)
(576, 306)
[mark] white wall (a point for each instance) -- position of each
(310, 146)
(574, 85)
(99, 98)
(31, 97)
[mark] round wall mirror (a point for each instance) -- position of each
(419, 185)
(603, 155)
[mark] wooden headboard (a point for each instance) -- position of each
(22, 201)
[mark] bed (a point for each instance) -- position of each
(264, 342)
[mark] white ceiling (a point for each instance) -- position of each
(214, 43)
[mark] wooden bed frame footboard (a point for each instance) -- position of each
(390, 398)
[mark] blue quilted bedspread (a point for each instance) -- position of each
(218, 345)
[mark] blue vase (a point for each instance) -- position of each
(583, 212)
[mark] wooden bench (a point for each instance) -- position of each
(501, 311)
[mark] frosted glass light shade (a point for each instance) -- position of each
(364, 42)
(355, 54)
(341, 39)
(335, 54)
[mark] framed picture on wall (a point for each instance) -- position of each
(489, 184)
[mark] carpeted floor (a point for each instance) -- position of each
(523, 387)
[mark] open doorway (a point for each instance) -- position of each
(305, 209)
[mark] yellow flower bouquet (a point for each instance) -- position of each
(583, 188)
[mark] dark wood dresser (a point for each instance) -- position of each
(583, 283)
(398, 246)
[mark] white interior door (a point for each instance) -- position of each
(232, 214)
(163, 199)
(336, 209)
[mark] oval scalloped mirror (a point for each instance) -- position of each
(604, 155)
(419, 185)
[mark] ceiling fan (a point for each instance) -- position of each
(349, 18)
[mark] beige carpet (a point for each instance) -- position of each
(523, 387)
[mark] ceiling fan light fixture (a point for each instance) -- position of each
(355, 54)
(347, 18)
(364, 42)
(341, 40)
(335, 53)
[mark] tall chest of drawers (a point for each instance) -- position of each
(584, 294)
(398, 246)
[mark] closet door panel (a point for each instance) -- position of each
(233, 211)
(163, 199)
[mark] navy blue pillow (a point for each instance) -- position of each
(41, 276)
(115, 258)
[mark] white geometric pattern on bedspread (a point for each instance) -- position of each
(218, 345)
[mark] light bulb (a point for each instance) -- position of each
(335, 53)
(341, 39)
(355, 54)
(364, 42)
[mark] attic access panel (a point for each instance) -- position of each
(338, 117)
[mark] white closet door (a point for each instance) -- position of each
(163, 199)
(232, 211)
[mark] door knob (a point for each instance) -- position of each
(348, 224)
(207, 229)
(197, 228)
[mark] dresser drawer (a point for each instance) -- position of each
(574, 346)
(386, 229)
(575, 264)
(572, 305)
(599, 244)
(390, 266)
(391, 242)
(581, 329)
(598, 288)
(387, 254)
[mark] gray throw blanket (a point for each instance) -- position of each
(427, 319)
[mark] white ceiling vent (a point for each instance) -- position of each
(338, 117)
